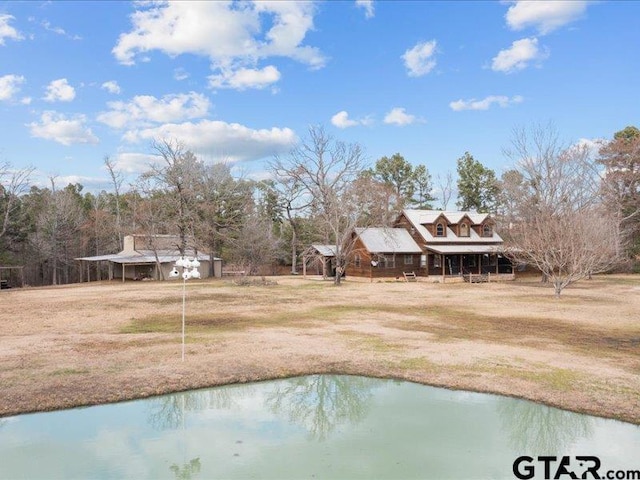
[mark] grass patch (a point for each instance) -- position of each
(558, 379)
(453, 324)
(70, 371)
(204, 323)
(422, 364)
(370, 342)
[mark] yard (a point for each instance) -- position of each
(104, 342)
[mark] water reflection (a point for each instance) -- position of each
(188, 471)
(321, 402)
(169, 411)
(322, 425)
(542, 430)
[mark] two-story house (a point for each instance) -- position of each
(431, 243)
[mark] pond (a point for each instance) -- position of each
(317, 426)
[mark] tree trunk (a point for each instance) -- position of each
(294, 252)
(558, 288)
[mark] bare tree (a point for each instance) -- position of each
(559, 225)
(445, 185)
(178, 176)
(292, 200)
(57, 235)
(378, 202)
(223, 203)
(256, 245)
(13, 183)
(116, 180)
(325, 169)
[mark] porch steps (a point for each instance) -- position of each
(476, 277)
(410, 276)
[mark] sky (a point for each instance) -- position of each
(240, 82)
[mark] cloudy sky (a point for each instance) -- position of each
(241, 81)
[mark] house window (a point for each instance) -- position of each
(423, 261)
(357, 260)
(436, 261)
(487, 230)
(440, 230)
(464, 230)
(389, 262)
(408, 259)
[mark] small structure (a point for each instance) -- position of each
(321, 259)
(148, 257)
(11, 277)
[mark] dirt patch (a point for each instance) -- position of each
(109, 341)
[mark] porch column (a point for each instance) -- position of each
(480, 264)
(123, 272)
(304, 266)
(443, 265)
(81, 270)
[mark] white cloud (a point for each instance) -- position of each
(419, 59)
(143, 110)
(544, 15)
(10, 86)
(342, 120)
(134, 162)
(67, 131)
(111, 87)
(244, 78)
(58, 30)
(231, 142)
(230, 34)
(367, 5)
(592, 145)
(484, 104)
(398, 116)
(60, 90)
(180, 74)
(518, 56)
(6, 30)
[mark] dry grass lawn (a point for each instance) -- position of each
(104, 342)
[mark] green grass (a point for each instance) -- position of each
(70, 371)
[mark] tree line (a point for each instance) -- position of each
(560, 208)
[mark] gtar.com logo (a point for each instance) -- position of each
(579, 467)
(567, 467)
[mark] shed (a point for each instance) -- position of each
(147, 257)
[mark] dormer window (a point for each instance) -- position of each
(440, 230)
(464, 229)
(487, 230)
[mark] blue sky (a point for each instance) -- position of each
(241, 81)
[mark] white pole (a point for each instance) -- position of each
(184, 289)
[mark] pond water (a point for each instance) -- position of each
(318, 426)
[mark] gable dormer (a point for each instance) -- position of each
(487, 228)
(439, 226)
(464, 227)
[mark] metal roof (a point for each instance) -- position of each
(388, 240)
(144, 256)
(464, 249)
(419, 218)
(325, 250)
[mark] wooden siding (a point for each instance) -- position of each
(382, 270)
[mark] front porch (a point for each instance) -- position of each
(477, 266)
